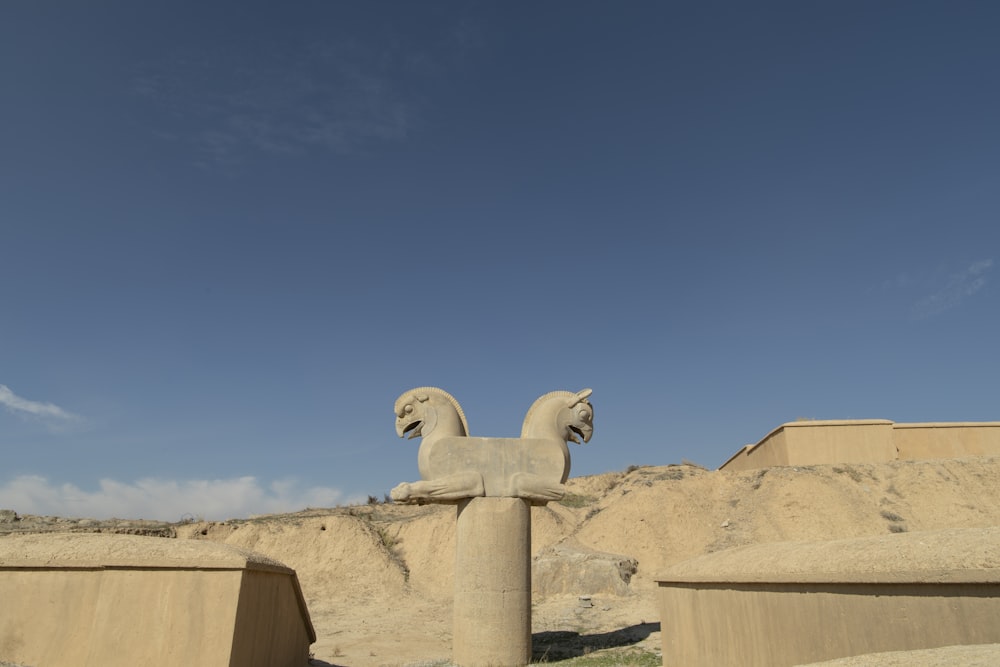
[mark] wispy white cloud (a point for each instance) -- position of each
(23, 406)
(166, 500)
(953, 290)
(898, 281)
(337, 97)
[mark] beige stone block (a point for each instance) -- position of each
(571, 569)
(123, 600)
(818, 442)
(799, 602)
(936, 440)
(866, 441)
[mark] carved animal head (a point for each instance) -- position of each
(579, 417)
(422, 410)
(570, 415)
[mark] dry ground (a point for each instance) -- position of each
(378, 578)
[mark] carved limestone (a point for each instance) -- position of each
(454, 465)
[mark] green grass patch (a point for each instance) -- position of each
(629, 658)
(577, 500)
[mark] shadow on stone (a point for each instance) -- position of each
(564, 644)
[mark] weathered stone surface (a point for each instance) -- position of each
(793, 603)
(568, 569)
(492, 583)
(804, 443)
(495, 481)
(957, 555)
(499, 460)
(123, 600)
(454, 466)
(66, 550)
(8, 516)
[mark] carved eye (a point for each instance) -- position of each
(585, 415)
(408, 409)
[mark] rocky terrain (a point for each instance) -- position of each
(378, 577)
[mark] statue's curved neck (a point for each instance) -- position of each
(446, 423)
(544, 423)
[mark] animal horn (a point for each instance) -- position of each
(581, 396)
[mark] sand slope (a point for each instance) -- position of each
(378, 578)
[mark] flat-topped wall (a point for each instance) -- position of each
(794, 603)
(123, 600)
(935, 440)
(866, 441)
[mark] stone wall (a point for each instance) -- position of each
(123, 600)
(866, 441)
(793, 603)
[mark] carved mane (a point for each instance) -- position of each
(455, 466)
(572, 398)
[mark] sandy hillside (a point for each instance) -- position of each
(378, 578)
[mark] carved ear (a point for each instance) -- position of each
(423, 398)
(581, 396)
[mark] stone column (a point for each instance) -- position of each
(494, 481)
(492, 624)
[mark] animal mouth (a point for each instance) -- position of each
(577, 432)
(413, 428)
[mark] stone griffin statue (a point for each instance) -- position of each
(454, 465)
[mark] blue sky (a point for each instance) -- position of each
(232, 233)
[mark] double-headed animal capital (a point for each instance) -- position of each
(454, 465)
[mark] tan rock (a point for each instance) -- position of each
(789, 603)
(119, 600)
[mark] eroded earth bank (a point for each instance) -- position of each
(378, 577)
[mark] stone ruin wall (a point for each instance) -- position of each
(866, 441)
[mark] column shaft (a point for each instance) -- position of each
(492, 624)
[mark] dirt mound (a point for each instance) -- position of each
(11, 522)
(378, 578)
(979, 655)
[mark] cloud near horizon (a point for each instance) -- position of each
(165, 500)
(16, 404)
